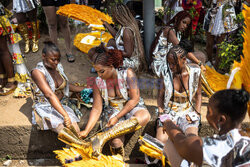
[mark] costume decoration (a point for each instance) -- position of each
(90, 16)
(86, 41)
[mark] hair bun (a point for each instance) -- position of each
(241, 96)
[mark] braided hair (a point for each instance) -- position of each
(173, 24)
(124, 17)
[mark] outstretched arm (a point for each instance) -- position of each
(40, 80)
(74, 88)
(94, 113)
(110, 28)
(191, 57)
(189, 147)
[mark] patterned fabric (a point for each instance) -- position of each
(22, 75)
(132, 62)
(7, 29)
(43, 107)
(23, 6)
(180, 110)
(194, 6)
(160, 52)
(229, 150)
(220, 18)
(109, 111)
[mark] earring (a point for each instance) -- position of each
(219, 128)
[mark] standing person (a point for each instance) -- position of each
(50, 7)
(127, 38)
(195, 7)
(51, 87)
(178, 28)
(171, 8)
(6, 65)
(219, 20)
(226, 111)
(123, 111)
(10, 54)
(27, 9)
(181, 85)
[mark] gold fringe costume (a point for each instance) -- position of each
(88, 153)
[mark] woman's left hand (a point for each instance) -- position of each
(112, 122)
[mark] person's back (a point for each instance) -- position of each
(226, 111)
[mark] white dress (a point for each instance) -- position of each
(43, 107)
(220, 18)
(181, 107)
(160, 53)
(23, 6)
(110, 111)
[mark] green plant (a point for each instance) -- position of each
(231, 48)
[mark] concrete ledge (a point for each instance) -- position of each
(21, 140)
(26, 142)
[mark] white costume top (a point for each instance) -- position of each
(229, 150)
(132, 62)
(160, 53)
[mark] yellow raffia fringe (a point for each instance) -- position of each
(84, 13)
(72, 153)
(152, 151)
(85, 47)
(216, 80)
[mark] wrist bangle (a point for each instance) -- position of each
(200, 63)
(117, 118)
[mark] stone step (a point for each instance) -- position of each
(21, 140)
(45, 163)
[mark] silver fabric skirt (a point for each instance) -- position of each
(23, 6)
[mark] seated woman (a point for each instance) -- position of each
(180, 27)
(128, 38)
(226, 111)
(51, 86)
(180, 86)
(123, 110)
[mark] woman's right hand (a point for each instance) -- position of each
(67, 121)
(83, 134)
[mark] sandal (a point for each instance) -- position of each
(6, 91)
(70, 58)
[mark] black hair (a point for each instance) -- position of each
(231, 102)
(49, 46)
(187, 45)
